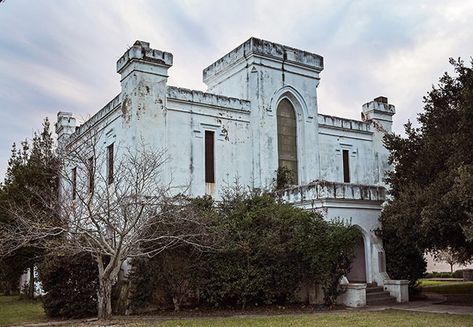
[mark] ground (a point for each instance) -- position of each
(15, 311)
(454, 292)
(331, 319)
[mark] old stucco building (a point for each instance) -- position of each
(260, 112)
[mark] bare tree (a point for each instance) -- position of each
(451, 257)
(114, 204)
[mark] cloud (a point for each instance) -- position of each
(60, 55)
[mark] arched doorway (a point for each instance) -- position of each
(287, 138)
(357, 272)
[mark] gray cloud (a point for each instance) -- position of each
(60, 55)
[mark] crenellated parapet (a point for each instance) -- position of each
(96, 119)
(344, 124)
(325, 190)
(209, 99)
(142, 53)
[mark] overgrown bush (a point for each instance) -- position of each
(436, 274)
(266, 250)
(284, 178)
(173, 273)
(339, 253)
(9, 276)
(458, 273)
(404, 259)
(143, 283)
(261, 262)
(171, 277)
(70, 283)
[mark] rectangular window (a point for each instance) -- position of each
(346, 166)
(90, 170)
(209, 157)
(74, 183)
(110, 164)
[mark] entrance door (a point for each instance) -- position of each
(357, 272)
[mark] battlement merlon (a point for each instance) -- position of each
(156, 61)
(263, 48)
(379, 105)
(380, 111)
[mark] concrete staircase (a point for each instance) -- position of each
(376, 295)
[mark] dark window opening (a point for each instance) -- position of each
(110, 164)
(209, 157)
(90, 168)
(346, 166)
(74, 183)
(287, 139)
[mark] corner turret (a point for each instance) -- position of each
(140, 57)
(380, 112)
(65, 127)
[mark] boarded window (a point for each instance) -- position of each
(90, 170)
(110, 164)
(209, 157)
(287, 138)
(74, 183)
(381, 261)
(346, 166)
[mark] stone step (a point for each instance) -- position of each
(381, 301)
(374, 289)
(377, 295)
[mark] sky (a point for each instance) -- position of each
(60, 55)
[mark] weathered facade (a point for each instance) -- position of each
(260, 112)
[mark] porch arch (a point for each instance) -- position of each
(359, 270)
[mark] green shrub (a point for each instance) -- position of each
(445, 274)
(10, 273)
(404, 258)
(284, 178)
(266, 250)
(167, 280)
(70, 283)
(261, 263)
(458, 273)
(143, 283)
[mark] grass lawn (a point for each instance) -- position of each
(351, 319)
(16, 311)
(428, 282)
(447, 287)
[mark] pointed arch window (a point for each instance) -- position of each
(287, 138)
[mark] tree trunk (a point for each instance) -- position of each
(104, 298)
(451, 268)
(176, 302)
(31, 285)
(8, 288)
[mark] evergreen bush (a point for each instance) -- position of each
(70, 284)
(267, 250)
